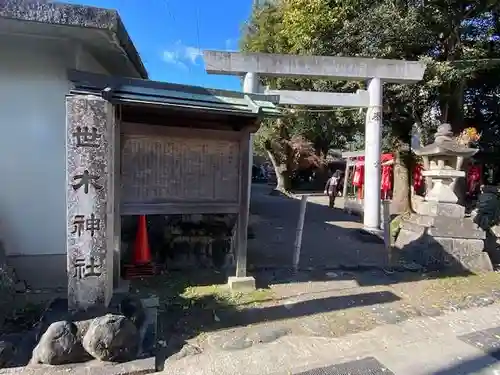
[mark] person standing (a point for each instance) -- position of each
(331, 187)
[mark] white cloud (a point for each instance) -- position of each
(192, 54)
(181, 55)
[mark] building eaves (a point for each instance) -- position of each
(62, 14)
(128, 90)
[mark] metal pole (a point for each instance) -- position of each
(386, 226)
(298, 235)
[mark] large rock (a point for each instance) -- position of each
(59, 344)
(56, 311)
(112, 338)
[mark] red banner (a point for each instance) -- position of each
(358, 177)
(386, 183)
(474, 174)
(418, 179)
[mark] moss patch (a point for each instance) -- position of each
(222, 296)
(395, 227)
(191, 303)
(205, 288)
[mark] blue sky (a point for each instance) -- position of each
(169, 35)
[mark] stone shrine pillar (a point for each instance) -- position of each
(90, 203)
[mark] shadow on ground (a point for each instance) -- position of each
(185, 314)
(473, 366)
(331, 251)
(331, 240)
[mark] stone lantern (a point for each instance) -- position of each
(443, 161)
(438, 235)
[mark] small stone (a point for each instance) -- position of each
(237, 343)
(229, 341)
(266, 335)
(112, 338)
(7, 352)
(186, 351)
(59, 345)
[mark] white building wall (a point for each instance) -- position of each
(33, 86)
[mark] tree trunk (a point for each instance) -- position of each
(322, 174)
(283, 180)
(401, 200)
(452, 107)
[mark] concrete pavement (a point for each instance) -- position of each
(456, 343)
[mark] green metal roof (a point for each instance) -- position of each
(122, 90)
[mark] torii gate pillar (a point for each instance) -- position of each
(376, 71)
(373, 135)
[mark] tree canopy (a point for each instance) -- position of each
(459, 40)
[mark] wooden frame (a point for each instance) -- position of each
(184, 208)
(244, 204)
(188, 207)
(129, 128)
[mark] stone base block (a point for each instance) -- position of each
(440, 253)
(241, 284)
(439, 209)
(479, 263)
(442, 226)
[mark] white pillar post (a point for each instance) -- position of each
(373, 135)
(251, 85)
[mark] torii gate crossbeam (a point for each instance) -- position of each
(375, 71)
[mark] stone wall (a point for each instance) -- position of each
(184, 241)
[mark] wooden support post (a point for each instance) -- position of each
(243, 212)
(241, 282)
(386, 226)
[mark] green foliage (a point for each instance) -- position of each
(459, 40)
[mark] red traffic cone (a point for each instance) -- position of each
(142, 252)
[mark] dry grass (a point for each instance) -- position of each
(441, 292)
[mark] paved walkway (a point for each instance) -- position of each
(464, 342)
(328, 238)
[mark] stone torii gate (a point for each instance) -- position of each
(375, 71)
